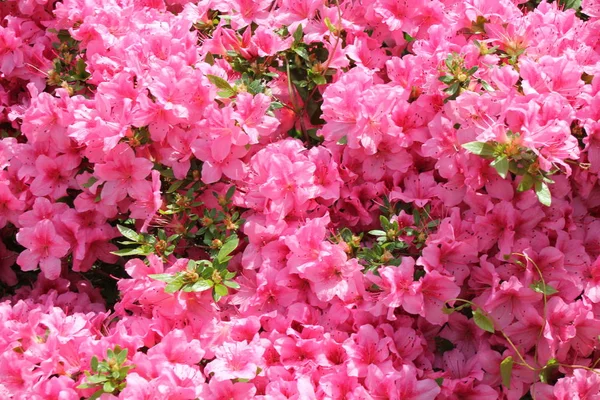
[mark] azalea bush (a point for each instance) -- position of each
(300, 199)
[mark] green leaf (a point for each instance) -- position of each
(226, 93)
(433, 224)
(318, 79)
(276, 105)
(162, 277)
(202, 285)
(230, 192)
(228, 247)
(129, 233)
(540, 287)
(329, 25)
(449, 61)
(187, 288)
(84, 386)
(543, 193)
(483, 321)
(447, 79)
(298, 34)
(500, 164)
(255, 87)
(221, 290)
(174, 285)
(174, 186)
(377, 233)
(231, 284)
(80, 69)
(548, 370)
(485, 85)
(219, 82)
(407, 37)
(526, 183)
(191, 265)
(343, 140)
(506, 367)
(108, 387)
(483, 149)
(94, 363)
(573, 4)
(472, 70)
(96, 379)
(302, 53)
(452, 89)
(90, 182)
(122, 356)
(96, 394)
(138, 251)
(385, 223)
(226, 89)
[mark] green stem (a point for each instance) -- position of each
(580, 366)
(545, 298)
(526, 364)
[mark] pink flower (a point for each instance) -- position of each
(148, 199)
(510, 299)
(10, 206)
(366, 52)
(338, 385)
(235, 360)
(42, 209)
(227, 390)
(581, 385)
(399, 287)
(417, 188)
(251, 114)
(365, 348)
(139, 388)
(248, 11)
(332, 275)
(558, 74)
(54, 175)
(408, 387)
(302, 354)
(178, 153)
(177, 347)
(44, 248)
(436, 290)
(267, 42)
(121, 171)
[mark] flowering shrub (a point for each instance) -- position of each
(300, 199)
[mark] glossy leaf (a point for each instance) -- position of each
(483, 321)
(480, 148)
(506, 367)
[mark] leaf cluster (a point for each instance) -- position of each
(109, 375)
(145, 243)
(521, 161)
(391, 243)
(458, 77)
(69, 66)
(204, 274)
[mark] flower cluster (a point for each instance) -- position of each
(300, 199)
